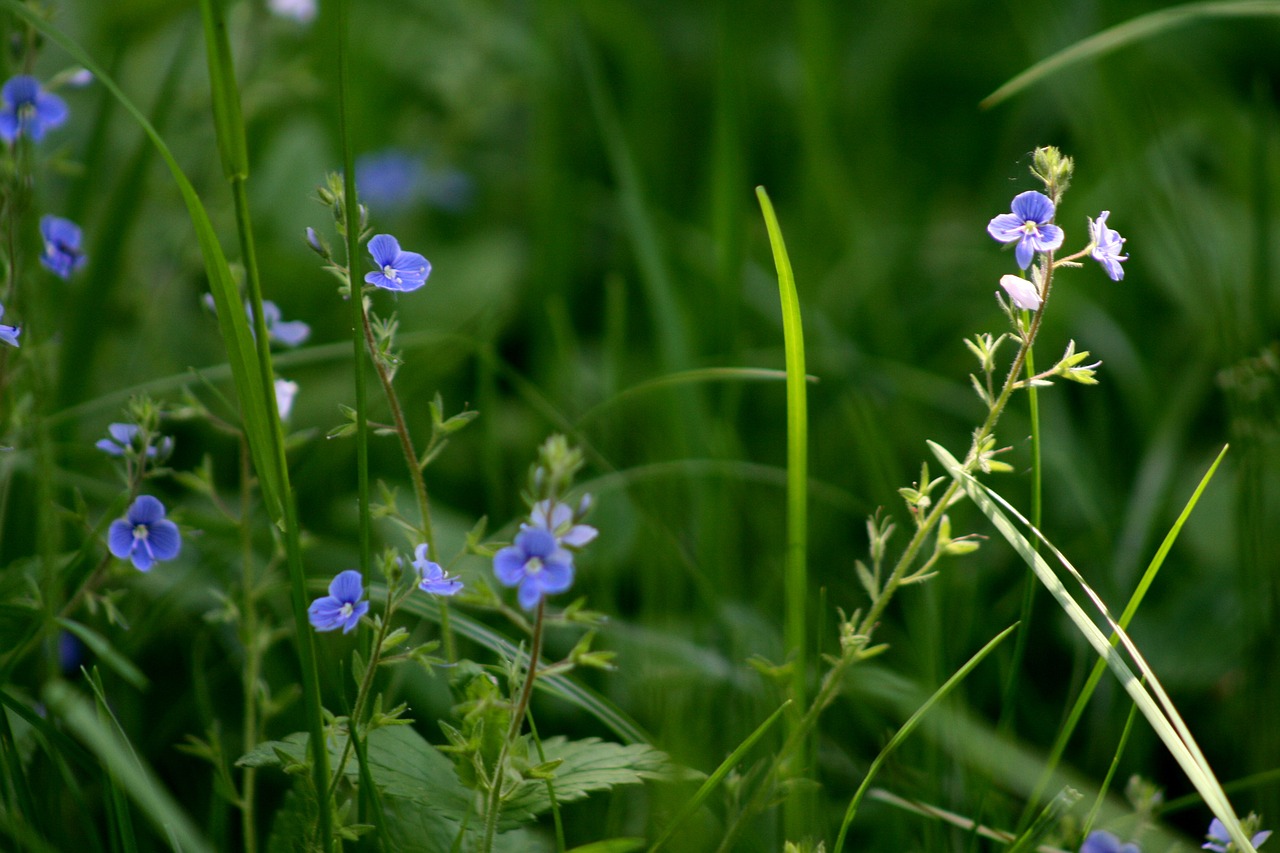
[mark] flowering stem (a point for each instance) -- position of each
(517, 721)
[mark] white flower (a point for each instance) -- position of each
(1023, 293)
(302, 11)
(285, 392)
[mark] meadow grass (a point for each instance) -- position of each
(731, 254)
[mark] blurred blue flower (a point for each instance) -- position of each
(1219, 838)
(121, 437)
(144, 536)
(435, 579)
(71, 652)
(28, 110)
(289, 333)
(302, 11)
(62, 254)
(397, 270)
(1101, 841)
(535, 563)
(1106, 246)
(1029, 225)
(394, 180)
(9, 334)
(560, 522)
(342, 607)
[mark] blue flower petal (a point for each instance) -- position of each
(120, 539)
(164, 539)
(145, 510)
(347, 586)
(508, 565)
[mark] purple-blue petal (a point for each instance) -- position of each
(347, 586)
(579, 535)
(530, 594)
(1024, 253)
(556, 576)
(357, 613)
(325, 614)
(1032, 206)
(384, 249)
(1006, 228)
(20, 89)
(508, 565)
(536, 542)
(164, 539)
(291, 333)
(1049, 238)
(64, 232)
(51, 111)
(120, 538)
(145, 510)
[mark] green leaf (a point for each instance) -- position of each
(107, 653)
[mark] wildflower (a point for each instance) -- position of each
(342, 607)
(122, 437)
(80, 78)
(62, 254)
(535, 563)
(559, 522)
(9, 334)
(1219, 838)
(290, 333)
(1029, 225)
(28, 110)
(435, 579)
(144, 535)
(397, 270)
(302, 11)
(1023, 293)
(394, 180)
(285, 392)
(1101, 841)
(1106, 246)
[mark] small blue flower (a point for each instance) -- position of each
(1029, 226)
(62, 254)
(1101, 841)
(397, 270)
(28, 110)
(9, 334)
(290, 333)
(342, 607)
(144, 536)
(560, 522)
(122, 437)
(536, 563)
(394, 180)
(1106, 246)
(1219, 838)
(435, 579)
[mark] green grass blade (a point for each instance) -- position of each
(1162, 716)
(116, 755)
(1121, 35)
(910, 726)
(1148, 578)
(713, 781)
(796, 569)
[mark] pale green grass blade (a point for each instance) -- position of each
(118, 757)
(1162, 716)
(1114, 38)
(910, 726)
(713, 781)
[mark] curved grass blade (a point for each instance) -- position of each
(713, 781)
(1162, 716)
(705, 374)
(910, 725)
(1121, 35)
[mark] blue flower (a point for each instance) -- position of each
(1106, 246)
(435, 579)
(1219, 838)
(559, 521)
(342, 607)
(302, 11)
(1029, 226)
(290, 333)
(144, 535)
(394, 180)
(62, 254)
(536, 564)
(1101, 841)
(28, 110)
(122, 438)
(9, 334)
(397, 270)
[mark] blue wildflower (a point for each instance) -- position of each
(394, 180)
(290, 333)
(9, 334)
(342, 607)
(535, 563)
(62, 254)
(1220, 839)
(28, 110)
(122, 437)
(1101, 841)
(144, 536)
(435, 579)
(1106, 246)
(1029, 225)
(1023, 293)
(560, 522)
(397, 270)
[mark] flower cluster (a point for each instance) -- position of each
(539, 562)
(123, 438)
(27, 110)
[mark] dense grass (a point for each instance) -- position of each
(612, 240)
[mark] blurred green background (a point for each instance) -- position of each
(611, 237)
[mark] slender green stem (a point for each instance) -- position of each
(252, 652)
